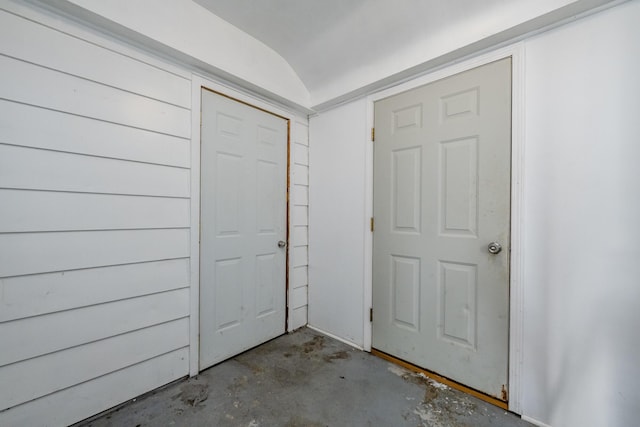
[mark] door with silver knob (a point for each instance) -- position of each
(243, 217)
(441, 195)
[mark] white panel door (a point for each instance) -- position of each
(441, 197)
(243, 219)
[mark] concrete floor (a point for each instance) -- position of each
(309, 380)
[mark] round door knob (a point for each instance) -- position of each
(282, 244)
(494, 248)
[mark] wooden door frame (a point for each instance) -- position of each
(516, 273)
(199, 83)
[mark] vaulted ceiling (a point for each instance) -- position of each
(337, 46)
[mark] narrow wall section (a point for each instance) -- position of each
(299, 225)
(337, 221)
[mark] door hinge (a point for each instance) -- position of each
(371, 315)
(373, 134)
(505, 394)
(372, 224)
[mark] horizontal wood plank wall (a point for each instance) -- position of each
(94, 221)
(298, 279)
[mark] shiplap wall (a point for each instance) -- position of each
(299, 223)
(94, 216)
(95, 220)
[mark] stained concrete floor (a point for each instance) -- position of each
(306, 379)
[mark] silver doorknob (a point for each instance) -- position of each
(494, 248)
(282, 244)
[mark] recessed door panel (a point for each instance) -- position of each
(229, 126)
(228, 299)
(266, 285)
(406, 190)
(228, 196)
(457, 303)
(441, 196)
(267, 186)
(407, 117)
(459, 105)
(458, 192)
(405, 285)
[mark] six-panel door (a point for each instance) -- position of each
(441, 196)
(242, 220)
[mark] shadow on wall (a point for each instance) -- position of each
(592, 382)
(593, 292)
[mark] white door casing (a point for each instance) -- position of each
(441, 195)
(242, 220)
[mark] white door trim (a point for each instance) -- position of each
(197, 83)
(516, 52)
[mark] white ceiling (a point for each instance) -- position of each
(336, 45)
(325, 38)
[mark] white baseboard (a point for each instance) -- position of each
(534, 421)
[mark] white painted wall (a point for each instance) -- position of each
(336, 221)
(96, 225)
(582, 205)
(581, 189)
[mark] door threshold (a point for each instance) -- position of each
(453, 384)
